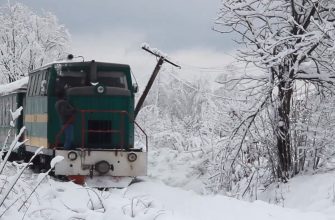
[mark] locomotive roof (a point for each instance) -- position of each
(17, 86)
(86, 63)
(21, 84)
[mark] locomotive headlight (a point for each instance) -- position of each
(102, 167)
(72, 155)
(132, 157)
(100, 89)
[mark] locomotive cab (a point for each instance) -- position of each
(105, 104)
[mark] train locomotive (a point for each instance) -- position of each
(103, 138)
(103, 95)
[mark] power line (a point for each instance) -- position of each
(218, 69)
(189, 85)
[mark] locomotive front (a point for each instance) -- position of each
(103, 133)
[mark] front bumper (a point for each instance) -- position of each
(88, 163)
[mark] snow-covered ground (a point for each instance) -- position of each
(145, 201)
(305, 197)
(306, 193)
(177, 169)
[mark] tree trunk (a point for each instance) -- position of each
(283, 133)
(10, 79)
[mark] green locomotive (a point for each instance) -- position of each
(104, 123)
(103, 142)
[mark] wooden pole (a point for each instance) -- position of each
(159, 64)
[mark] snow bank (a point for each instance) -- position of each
(306, 193)
(177, 169)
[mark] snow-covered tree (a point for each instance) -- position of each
(28, 40)
(291, 41)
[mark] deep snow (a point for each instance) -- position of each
(305, 197)
(306, 193)
(146, 200)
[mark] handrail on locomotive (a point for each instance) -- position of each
(83, 111)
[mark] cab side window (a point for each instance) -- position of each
(31, 85)
(44, 83)
(38, 83)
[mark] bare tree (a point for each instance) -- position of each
(27, 41)
(290, 41)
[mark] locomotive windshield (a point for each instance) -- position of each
(74, 76)
(71, 79)
(113, 79)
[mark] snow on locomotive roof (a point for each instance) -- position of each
(79, 62)
(22, 83)
(14, 86)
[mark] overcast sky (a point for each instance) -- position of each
(113, 30)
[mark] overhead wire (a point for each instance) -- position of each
(189, 85)
(224, 67)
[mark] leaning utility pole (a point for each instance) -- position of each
(160, 61)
